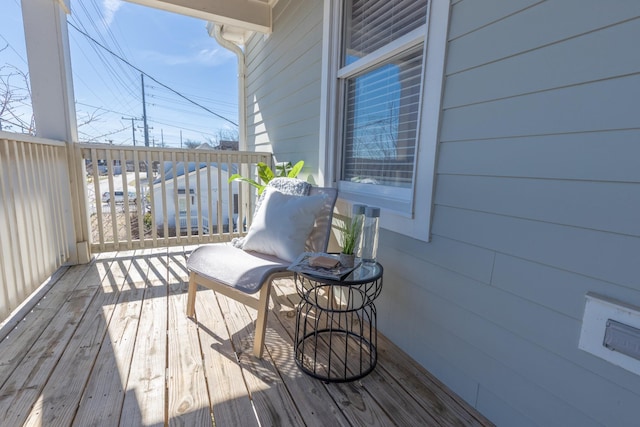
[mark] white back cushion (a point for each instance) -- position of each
(282, 224)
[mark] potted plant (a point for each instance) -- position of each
(266, 174)
(349, 235)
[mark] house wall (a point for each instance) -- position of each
(204, 192)
(283, 85)
(537, 200)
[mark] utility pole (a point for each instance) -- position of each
(144, 114)
(133, 127)
(180, 138)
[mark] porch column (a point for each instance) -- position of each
(52, 98)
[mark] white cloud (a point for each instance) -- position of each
(110, 9)
(213, 57)
(206, 57)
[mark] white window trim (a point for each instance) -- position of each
(392, 49)
(418, 223)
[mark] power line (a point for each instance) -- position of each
(118, 78)
(98, 74)
(174, 101)
(179, 126)
(12, 48)
(101, 108)
(152, 78)
(206, 99)
(100, 33)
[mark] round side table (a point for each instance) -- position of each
(336, 334)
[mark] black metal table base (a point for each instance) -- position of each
(336, 338)
(338, 364)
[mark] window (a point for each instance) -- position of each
(380, 124)
(185, 203)
(384, 64)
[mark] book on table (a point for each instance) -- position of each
(321, 265)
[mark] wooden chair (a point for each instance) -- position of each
(240, 274)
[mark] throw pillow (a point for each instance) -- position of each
(282, 224)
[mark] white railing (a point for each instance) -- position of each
(34, 205)
(142, 197)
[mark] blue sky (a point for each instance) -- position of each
(173, 49)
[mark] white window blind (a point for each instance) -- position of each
(381, 74)
(381, 121)
(371, 24)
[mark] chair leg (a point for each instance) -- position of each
(261, 322)
(191, 296)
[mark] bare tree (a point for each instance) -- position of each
(223, 135)
(15, 102)
(15, 99)
(191, 144)
(228, 135)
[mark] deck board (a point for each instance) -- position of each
(144, 402)
(103, 395)
(228, 392)
(109, 344)
(319, 409)
(24, 387)
(188, 401)
(353, 399)
(273, 403)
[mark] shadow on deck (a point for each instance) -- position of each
(109, 343)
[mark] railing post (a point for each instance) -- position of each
(52, 98)
(80, 202)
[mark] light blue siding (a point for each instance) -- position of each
(283, 84)
(573, 61)
(539, 167)
(605, 206)
(539, 25)
(537, 200)
(610, 155)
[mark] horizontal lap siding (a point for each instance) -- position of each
(604, 156)
(283, 84)
(595, 205)
(537, 202)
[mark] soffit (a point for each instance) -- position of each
(243, 15)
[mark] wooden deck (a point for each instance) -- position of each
(109, 344)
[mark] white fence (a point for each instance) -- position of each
(138, 197)
(150, 197)
(34, 202)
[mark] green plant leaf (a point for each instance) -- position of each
(265, 173)
(283, 168)
(296, 169)
(238, 177)
(349, 233)
(235, 176)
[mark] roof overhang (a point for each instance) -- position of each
(241, 15)
(233, 34)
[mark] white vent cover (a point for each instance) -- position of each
(619, 323)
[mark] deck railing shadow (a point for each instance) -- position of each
(110, 343)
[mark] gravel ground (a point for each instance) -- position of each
(121, 221)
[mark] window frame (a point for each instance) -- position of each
(415, 218)
(390, 198)
(185, 202)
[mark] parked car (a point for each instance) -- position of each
(118, 197)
